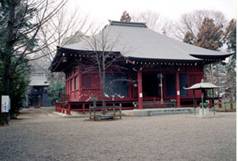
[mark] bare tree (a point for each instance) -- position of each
(46, 10)
(103, 55)
(154, 21)
(192, 22)
(20, 23)
(64, 28)
(19, 33)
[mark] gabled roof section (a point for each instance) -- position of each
(135, 40)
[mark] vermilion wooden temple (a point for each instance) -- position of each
(143, 69)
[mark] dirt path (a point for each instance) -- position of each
(40, 135)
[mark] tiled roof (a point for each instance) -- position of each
(138, 41)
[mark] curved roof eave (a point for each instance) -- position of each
(201, 56)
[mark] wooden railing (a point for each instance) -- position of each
(97, 112)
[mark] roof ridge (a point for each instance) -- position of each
(128, 24)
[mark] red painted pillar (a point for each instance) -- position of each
(177, 89)
(140, 90)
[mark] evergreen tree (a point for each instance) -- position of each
(231, 38)
(209, 35)
(56, 90)
(15, 22)
(125, 17)
(189, 38)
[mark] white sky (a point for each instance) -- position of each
(100, 11)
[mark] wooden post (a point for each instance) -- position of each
(177, 89)
(140, 90)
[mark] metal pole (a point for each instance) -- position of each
(202, 102)
(213, 95)
(194, 108)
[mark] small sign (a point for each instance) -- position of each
(140, 95)
(5, 106)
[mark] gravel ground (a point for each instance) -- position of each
(40, 135)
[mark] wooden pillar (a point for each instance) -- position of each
(140, 90)
(177, 89)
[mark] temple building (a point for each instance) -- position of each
(130, 64)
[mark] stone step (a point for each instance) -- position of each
(153, 112)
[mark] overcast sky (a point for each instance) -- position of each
(100, 11)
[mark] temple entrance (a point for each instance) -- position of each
(170, 84)
(150, 83)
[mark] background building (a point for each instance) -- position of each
(37, 95)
